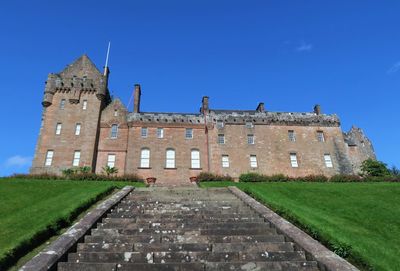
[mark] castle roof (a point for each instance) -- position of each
(81, 67)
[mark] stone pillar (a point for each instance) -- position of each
(317, 109)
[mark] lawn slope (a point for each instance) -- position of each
(361, 217)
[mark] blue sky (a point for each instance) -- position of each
(291, 55)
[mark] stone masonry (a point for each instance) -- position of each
(175, 146)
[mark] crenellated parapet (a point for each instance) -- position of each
(78, 78)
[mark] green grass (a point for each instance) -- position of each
(33, 210)
(362, 219)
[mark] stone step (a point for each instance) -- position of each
(185, 256)
(171, 247)
(180, 239)
(181, 225)
(270, 266)
(191, 220)
(210, 215)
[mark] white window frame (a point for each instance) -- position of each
(253, 161)
(195, 159)
(114, 133)
(220, 124)
(221, 136)
(62, 104)
(78, 127)
(293, 160)
(160, 132)
(189, 133)
(58, 128)
(225, 161)
(115, 113)
(328, 160)
(84, 105)
(111, 158)
(77, 158)
(144, 132)
(49, 158)
(145, 158)
(292, 136)
(250, 139)
(170, 158)
(320, 136)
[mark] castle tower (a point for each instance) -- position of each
(72, 105)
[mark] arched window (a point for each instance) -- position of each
(145, 158)
(170, 158)
(195, 158)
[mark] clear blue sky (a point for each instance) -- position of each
(291, 55)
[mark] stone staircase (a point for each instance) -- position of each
(185, 229)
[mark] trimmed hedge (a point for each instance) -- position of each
(256, 177)
(80, 177)
(210, 177)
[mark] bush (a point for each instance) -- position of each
(374, 168)
(210, 177)
(252, 177)
(43, 176)
(311, 178)
(76, 176)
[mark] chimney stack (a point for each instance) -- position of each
(317, 109)
(260, 108)
(204, 107)
(136, 99)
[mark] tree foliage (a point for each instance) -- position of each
(374, 168)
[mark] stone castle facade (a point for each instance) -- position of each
(83, 126)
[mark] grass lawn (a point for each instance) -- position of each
(364, 217)
(30, 207)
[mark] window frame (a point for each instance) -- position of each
(253, 162)
(219, 136)
(328, 162)
(114, 134)
(58, 128)
(145, 161)
(320, 136)
(160, 132)
(250, 139)
(188, 133)
(294, 162)
(49, 157)
(292, 136)
(77, 158)
(220, 124)
(84, 104)
(225, 163)
(62, 104)
(195, 163)
(78, 131)
(171, 159)
(109, 161)
(144, 132)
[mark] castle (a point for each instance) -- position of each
(83, 126)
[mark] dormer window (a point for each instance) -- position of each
(249, 124)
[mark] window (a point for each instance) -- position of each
(189, 133)
(220, 124)
(195, 158)
(84, 105)
(115, 113)
(62, 104)
(145, 158)
(77, 157)
(114, 131)
(143, 133)
(249, 124)
(221, 139)
(111, 160)
(170, 158)
(253, 161)
(160, 132)
(78, 129)
(292, 136)
(328, 160)
(225, 161)
(293, 160)
(320, 136)
(49, 158)
(250, 139)
(58, 128)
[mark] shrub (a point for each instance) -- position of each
(345, 179)
(210, 177)
(110, 170)
(252, 177)
(311, 178)
(85, 169)
(43, 176)
(375, 168)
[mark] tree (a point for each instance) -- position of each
(374, 168)
(395, 171)
(110, 170)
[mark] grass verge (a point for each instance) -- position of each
(359, 221)
(32, 211)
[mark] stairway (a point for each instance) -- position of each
(185, 229)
